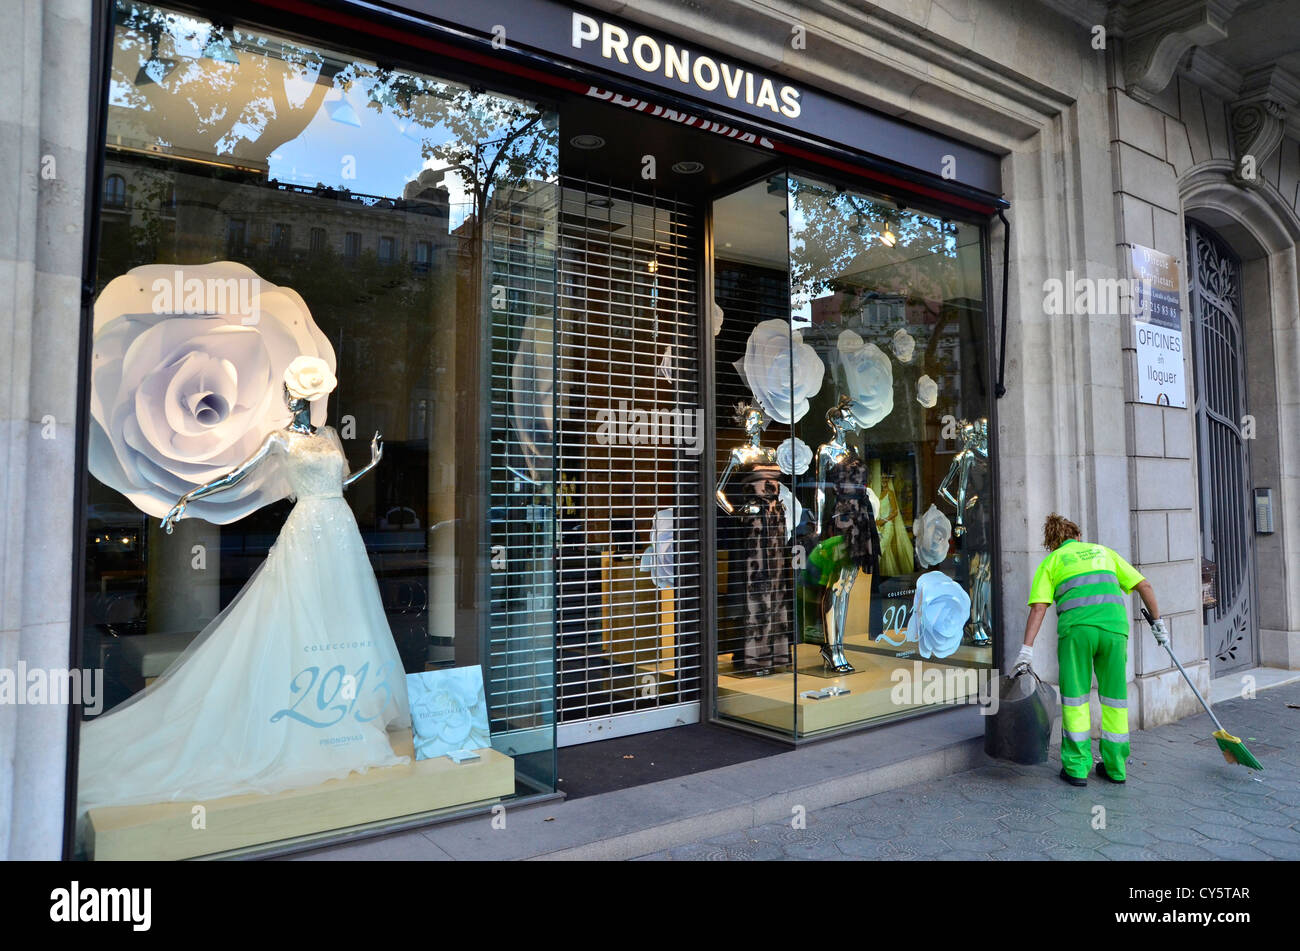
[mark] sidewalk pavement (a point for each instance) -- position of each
(919, 789)
(1181, 801)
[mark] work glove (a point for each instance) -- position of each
(1026, 656)
(1160, 631)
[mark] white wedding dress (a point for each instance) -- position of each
(297, 681)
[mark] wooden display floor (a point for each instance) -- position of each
(165, 830)
(772, 701)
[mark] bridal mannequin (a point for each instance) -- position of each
(297, 681)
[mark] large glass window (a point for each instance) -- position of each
(855, 520)
(363, 654)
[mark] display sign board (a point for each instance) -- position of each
(618, 47)
(1158, 328)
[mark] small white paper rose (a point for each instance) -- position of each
(659, 558)
(932, 532)
(309, 378)
(793, 456)
(718, 316)
(903, 345)
(781, 370)
(186, 380)
(870, 378)
(927, 392)
(792, 506)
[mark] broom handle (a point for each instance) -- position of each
(1170, 651)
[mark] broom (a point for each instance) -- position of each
(1234, 751)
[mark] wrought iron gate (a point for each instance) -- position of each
(1227, 525)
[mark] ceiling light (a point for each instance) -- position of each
(688, 168)
(587, 140)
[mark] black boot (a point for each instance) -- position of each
(1073, 780)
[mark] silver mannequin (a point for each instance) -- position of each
(829, 454)
(300, 424)
(747, 454)
(974, 446)
(980, 624)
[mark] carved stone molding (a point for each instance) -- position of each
(1259, 120)
(1159, 33)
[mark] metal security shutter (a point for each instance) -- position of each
(629, 437)
(520, 261)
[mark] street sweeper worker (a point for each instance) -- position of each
(1089, 584)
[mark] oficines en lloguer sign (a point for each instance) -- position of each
(564, 32)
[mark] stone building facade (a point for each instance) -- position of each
(1118, 123)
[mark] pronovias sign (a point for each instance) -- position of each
(609, 48)
(706, 73)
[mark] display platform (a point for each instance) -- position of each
(773, 702)
(166, 830)
(965, 655)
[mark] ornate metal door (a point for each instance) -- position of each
(1227, 524)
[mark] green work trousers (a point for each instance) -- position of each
(1082, 650)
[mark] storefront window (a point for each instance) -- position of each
(854, 518)
(291, 657)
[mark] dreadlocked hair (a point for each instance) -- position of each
(742, 410)
(1058, 529)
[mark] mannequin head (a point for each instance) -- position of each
(752, 418)
(840, 419)
(296, 404)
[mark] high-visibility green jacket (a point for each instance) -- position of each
(1088, 583)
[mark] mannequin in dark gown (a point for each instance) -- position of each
(761, 519)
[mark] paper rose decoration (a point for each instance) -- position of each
(793, 508)
(718, 315)
(903, 344)
(793, 456)
(932, 532)
(927, 391)
(187, 377)
(659, 558)
(309, 378)
(939, 613)
(781, 370)
(870, 378)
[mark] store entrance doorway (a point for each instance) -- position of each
(1223, 462)
(630, 422)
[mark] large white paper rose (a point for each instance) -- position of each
(939, 613)
(781, 370)
(870, 378)
(793, 456)
(187, 378)
(932, 531)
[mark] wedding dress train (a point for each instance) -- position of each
(297, 681)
